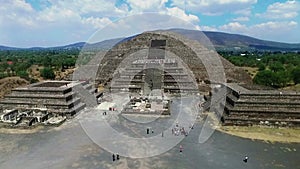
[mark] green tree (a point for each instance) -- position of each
(265, 77)
(281, 79)
(46, 61)
(273, 79)
(261, 66)
(23, 74)
(296, 75)
(276, 67)
(32, 80)
(69, 62)
(47, 73)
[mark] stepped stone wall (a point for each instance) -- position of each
(267, 107)
(187, 50)
(56, 97)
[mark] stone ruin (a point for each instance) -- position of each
(154, 104)
(48, 102)
(164, 61)
(244, 106)
(154, 61)
(130, 64)
(153, 69)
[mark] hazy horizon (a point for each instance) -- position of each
(73, 43)
(49, 23)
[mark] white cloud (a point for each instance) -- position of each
(261, 28)
(214, 7)
(175, 11)
(241, 19)
(208, 28)
(135, 24)
(99, 8)
(286, 10)
(147, 5)
(244, 12)
(96, 22)
(62, 22)
(17, 12)
(276, 25)
(234, 27)
(278, 31)
(139, 7)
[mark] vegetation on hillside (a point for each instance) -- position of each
(274, 69)
(18, 62)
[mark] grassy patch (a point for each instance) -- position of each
(294, 88)
(272, 134)
(251, 71)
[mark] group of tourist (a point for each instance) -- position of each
(177, 131)
(148, 130)
(115, 157)
(180, 130)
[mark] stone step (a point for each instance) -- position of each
(40, 96)
(126, 86)
(43, 90)
(251, 120)
(282, 107)
(177, 81)
(265, 111)
(19, 101)
(231, 99)
(77, 108)
(172, 68)
(264, 106)
(134, 68)
(269, 102)
(122, 80)
(248, 96)
(25, 92)
(264, 114)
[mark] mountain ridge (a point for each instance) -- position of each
(220, 40)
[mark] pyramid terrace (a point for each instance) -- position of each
(247, 106)
(39, 102)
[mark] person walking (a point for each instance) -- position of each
(180, 148)
(113, 157)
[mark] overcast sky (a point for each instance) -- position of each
(28, 23)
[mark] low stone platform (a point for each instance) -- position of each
(151, 105)
(55, 98)
(265, 107)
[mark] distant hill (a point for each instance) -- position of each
(106, 44)
(228, 41)
(220, 40)
(71, 46)
(8, 48)
(78, 45)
